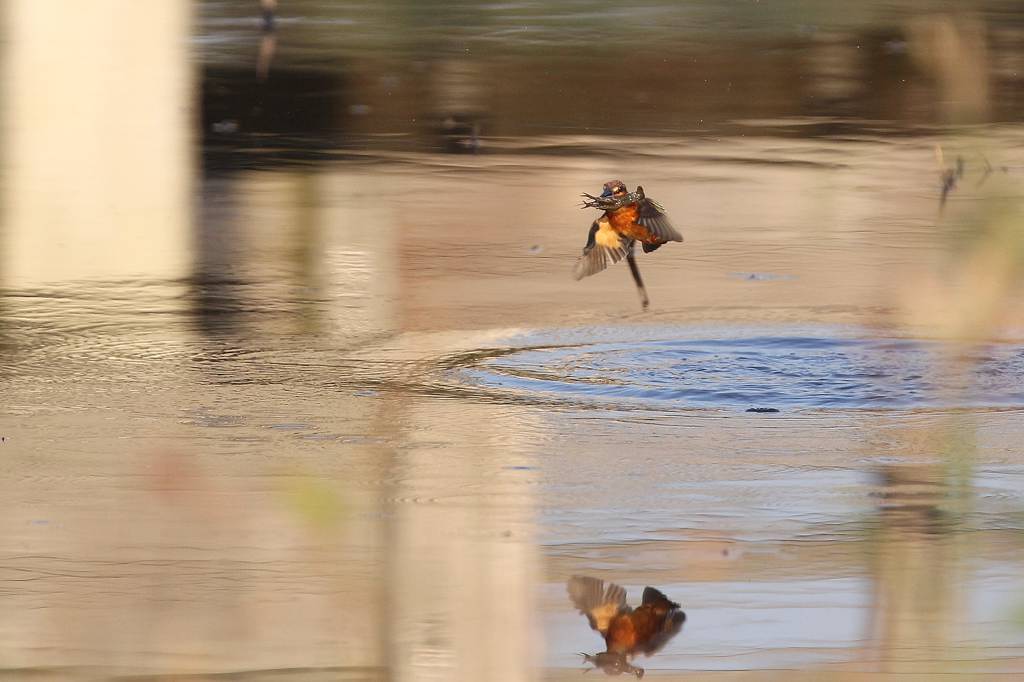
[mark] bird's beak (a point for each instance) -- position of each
(607, 192)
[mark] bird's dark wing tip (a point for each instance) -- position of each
(657, 597)
(652, 216)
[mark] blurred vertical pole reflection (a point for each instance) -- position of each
(463, 559)
(268, 43)
(95, 140)
(922, 551)
(954, 51)
(917, 570)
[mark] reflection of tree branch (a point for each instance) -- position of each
(949, 179)
(950, 176)
(989, 169)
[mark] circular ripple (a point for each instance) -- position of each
(823, 369)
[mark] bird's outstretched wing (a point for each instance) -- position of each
(604, 247)
(598, 602)
(652, 216)
(673, 623)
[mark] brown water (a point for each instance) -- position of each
(292, 391)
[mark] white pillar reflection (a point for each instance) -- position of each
(319, 245)
(464, 561)
(96, 109)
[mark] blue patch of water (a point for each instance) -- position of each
(826, 370)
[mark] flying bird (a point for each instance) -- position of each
(628, 217)
(626, 631)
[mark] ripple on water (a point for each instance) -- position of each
(819, 368)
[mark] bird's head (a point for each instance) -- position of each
(612, 663)
(613, 196)
(614, 188)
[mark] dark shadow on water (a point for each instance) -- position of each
(292, 112)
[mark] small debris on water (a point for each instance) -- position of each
(290, 426)
(762, 410)
(225, 127)
(761, 276)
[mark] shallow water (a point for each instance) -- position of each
(694, 368)
(316, 398)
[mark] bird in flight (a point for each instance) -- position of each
(628, 217)
(626, 631)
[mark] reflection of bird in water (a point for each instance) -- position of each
(626, 631)
(629, 217)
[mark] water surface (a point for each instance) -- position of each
(313, 396)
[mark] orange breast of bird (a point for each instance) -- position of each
(632, 630)
(647, 620)
(621, 637)
(623, 220)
